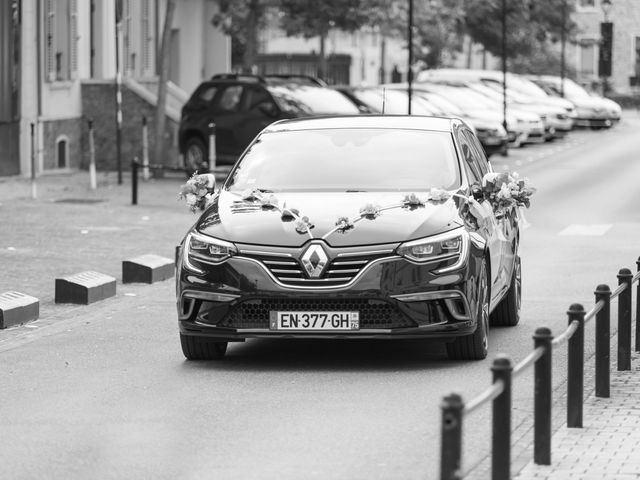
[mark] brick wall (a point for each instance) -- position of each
(53, 131)
(98, 103)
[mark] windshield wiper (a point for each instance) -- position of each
(355, 191)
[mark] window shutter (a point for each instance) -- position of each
(146, 38)
(73, 37)
(127, 36)
(49, 27)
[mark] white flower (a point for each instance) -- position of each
(191, 199)
(439, 195)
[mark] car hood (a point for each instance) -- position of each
(232, 219)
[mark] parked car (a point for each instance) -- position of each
(592, 110)
(494, 78)
(319, 232)
(240, 106)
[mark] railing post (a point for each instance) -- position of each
(575, 377)
(542, 398)
(145, 149)
(603, 341)
(638, 310)
(501, 437)
(451, 440)
(92, 156)
(212, 147)
(624, 320)
(134, 181)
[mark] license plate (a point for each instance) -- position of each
(314, 321)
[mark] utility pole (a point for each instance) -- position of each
(410, 66)
(563, 46)
(504, 64)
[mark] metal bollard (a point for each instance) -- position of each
(451, 437)
(145, 149)
(92, 156)
(542, 398)
(501, 437)
(134, 181)
(34, 186)
(212, 147)
(603, 341)
(575, 377)
(624, 320)
(638, 310)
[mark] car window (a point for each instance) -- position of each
(348, 159)
(468, 158)
(483, 163)
(316, 100)
(229, 99)
(255, 96)
(207, 93)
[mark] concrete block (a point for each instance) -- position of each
(147, 269)
(85, 288)
(17, 308)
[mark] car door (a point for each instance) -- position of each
(489, 230)
(226, 113)
(259, 110)
(506, 227)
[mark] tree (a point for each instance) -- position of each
(163, 64)
(312, 18)
(242, 20)
(530, 24)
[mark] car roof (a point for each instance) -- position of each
(409, 122)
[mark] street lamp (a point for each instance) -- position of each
(606, 43)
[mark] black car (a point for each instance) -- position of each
(350, 227)
(240, 106)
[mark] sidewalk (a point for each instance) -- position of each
(69, 228)
(608, 445)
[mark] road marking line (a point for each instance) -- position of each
(593, 230)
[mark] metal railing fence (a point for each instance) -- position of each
(454, 409)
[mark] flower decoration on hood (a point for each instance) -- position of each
(303, 225)
(198, 191)
(370, 211)
(343, 224)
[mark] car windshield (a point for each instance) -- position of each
(348, 159)
(312, 100)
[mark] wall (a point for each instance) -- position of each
(98, 104)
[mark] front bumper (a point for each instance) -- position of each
(395, 298)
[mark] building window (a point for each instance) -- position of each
(636, 57)
(583, 5)
(587, 57)
(62, 151)
(61, 39)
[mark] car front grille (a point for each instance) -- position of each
(340, 270)
(374, 313)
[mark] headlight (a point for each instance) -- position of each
(205, 249)
(451, 246)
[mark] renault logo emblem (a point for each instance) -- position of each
(314, 260)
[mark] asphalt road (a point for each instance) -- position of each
(104, 392)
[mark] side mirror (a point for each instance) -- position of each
(269, 109)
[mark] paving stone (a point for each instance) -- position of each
(17, 308)
(84, 288)
(147, 269)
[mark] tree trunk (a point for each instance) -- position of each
(163, 60)
(251, 38)
(322, 61)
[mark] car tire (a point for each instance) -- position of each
(195, 157)
(195, 348)
(507, 312)
(476, 345)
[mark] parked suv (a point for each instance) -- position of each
(241, 106)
